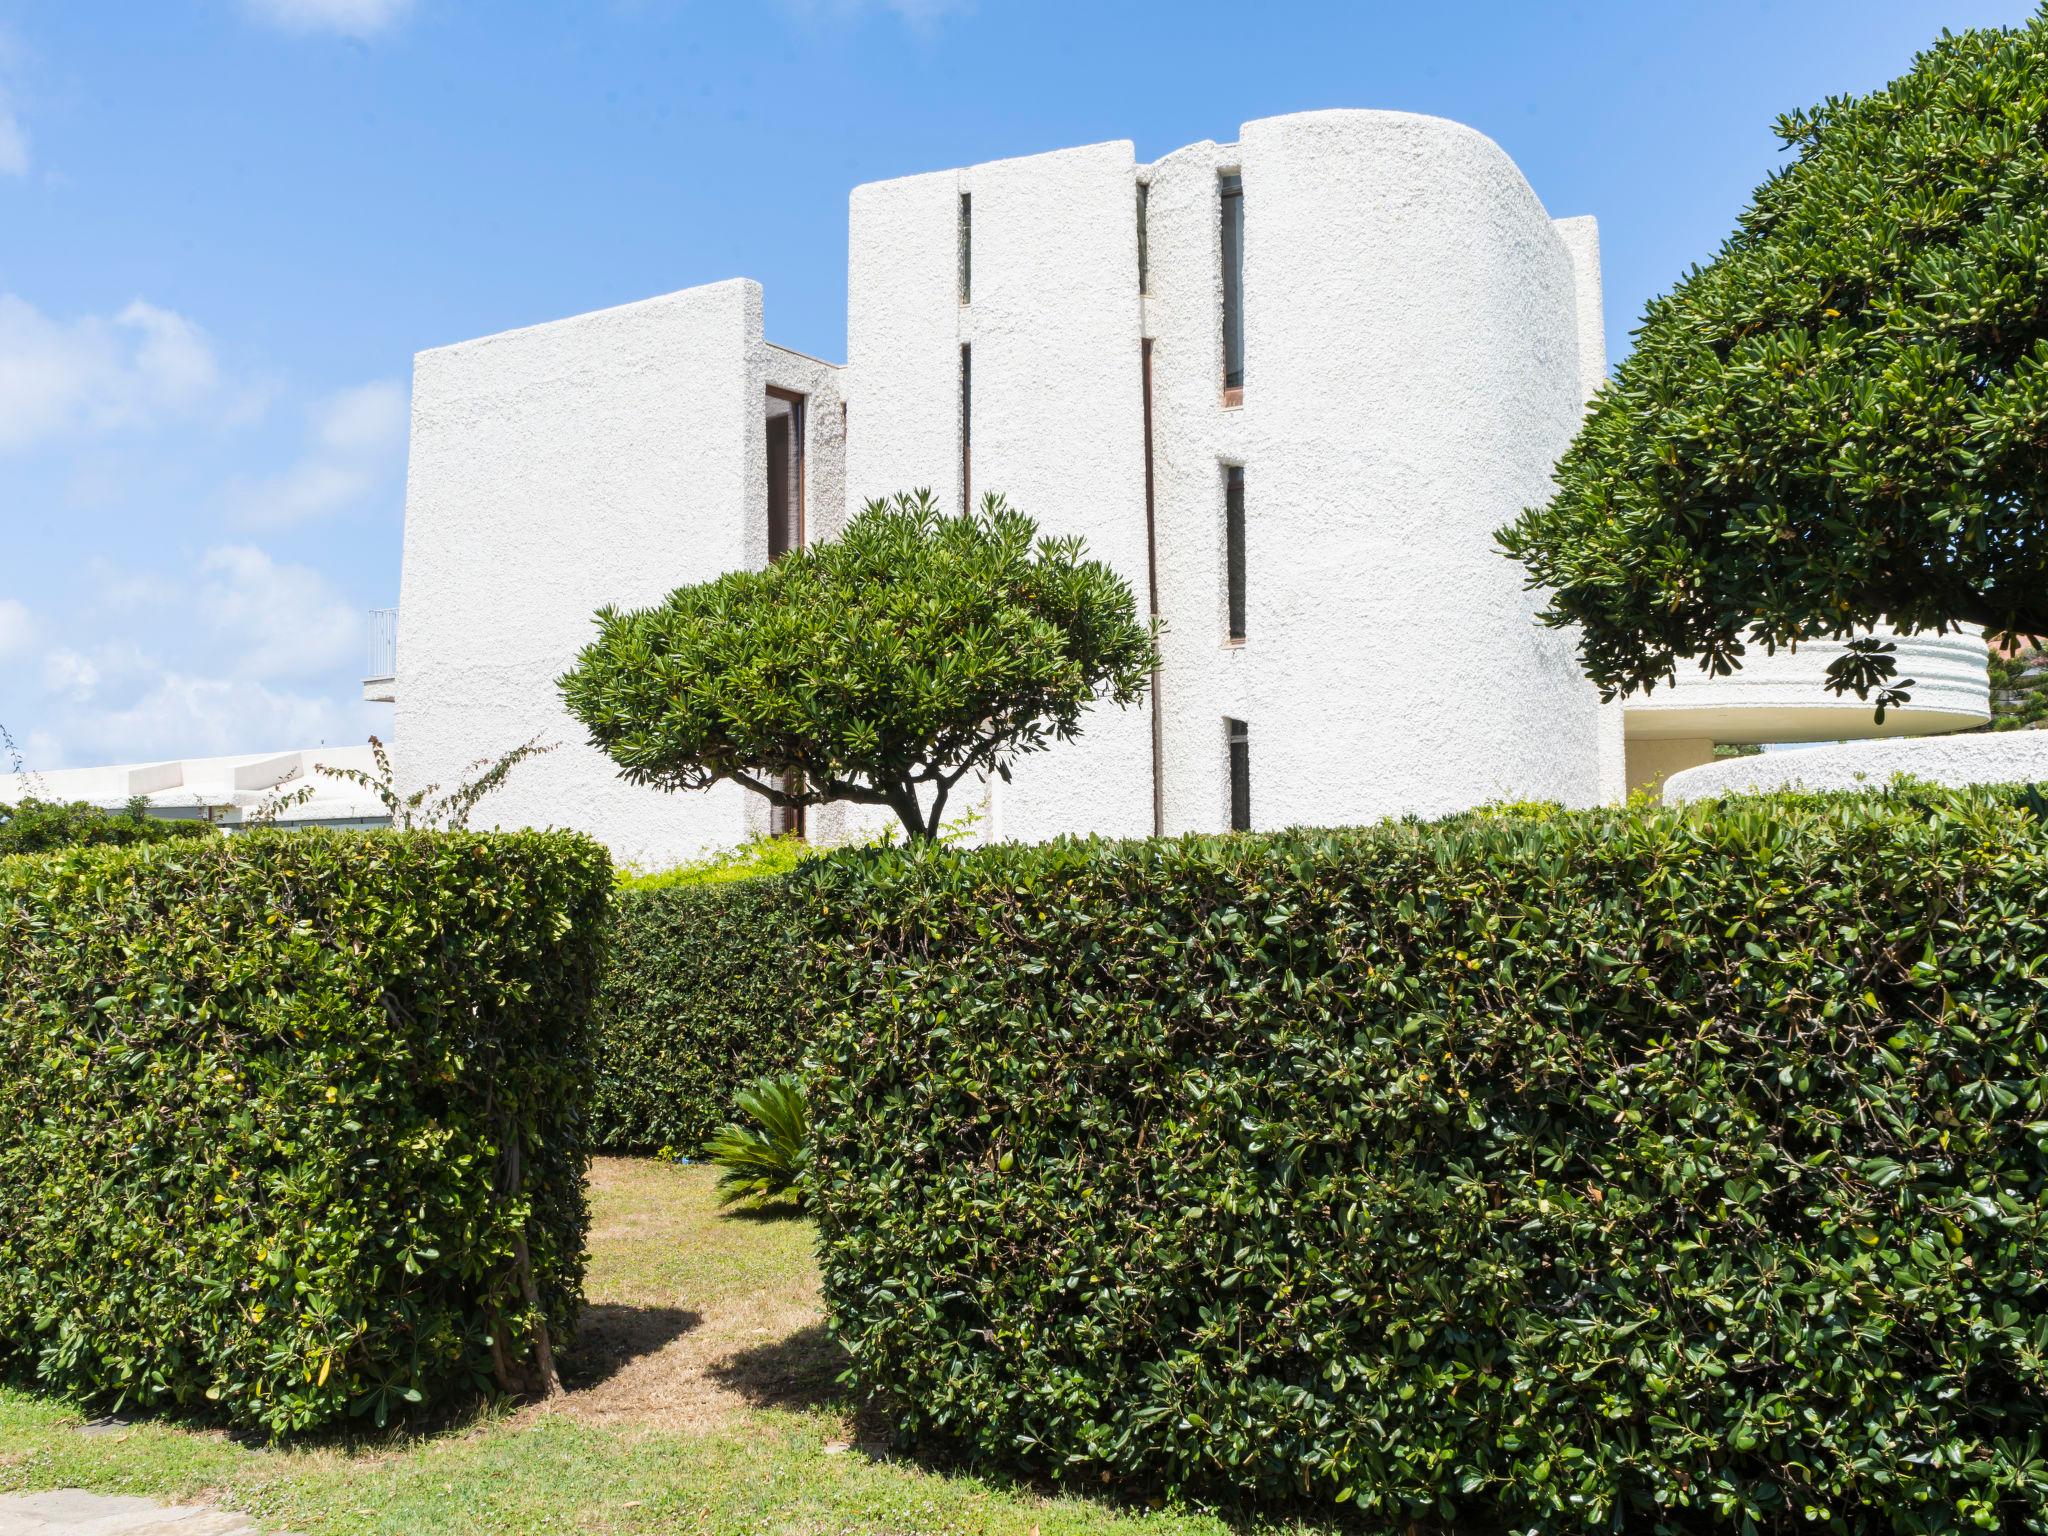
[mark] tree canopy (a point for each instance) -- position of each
(1842, 420)
(881, 667)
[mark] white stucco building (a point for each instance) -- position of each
(1287, 386)
(229, 792)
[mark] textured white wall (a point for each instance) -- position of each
(2002, 757)
(1581, 239)
(602, 459)
(903, 336)
(1058, 428)
(1412, 370)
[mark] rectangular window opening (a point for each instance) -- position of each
(1144, 256)
(785, 423)
(1231, 199)
(1237, 737)
(966, 247)
(1233, 545)
(966, 427)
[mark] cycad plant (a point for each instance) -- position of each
(767, 1151)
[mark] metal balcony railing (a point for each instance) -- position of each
(380, 671)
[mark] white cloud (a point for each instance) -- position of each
(276, 620)
(349, 18)
(245, 654)
(186, 715)
(139, 368)
(13, 141)
(17, 628)
(919, 14)
(355, 443)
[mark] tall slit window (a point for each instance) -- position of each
(1233, 545)
(966, 426)
(785, 420)
(1144, 255)
(966, 247)
(1237, 743)
(1231, 202)
(785, 428)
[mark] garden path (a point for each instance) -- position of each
(73, 1512)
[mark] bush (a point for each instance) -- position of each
(757, 856)
(292, 1125)
(1668, 1169)
(766, 1151)
(42, 826)
(705, 990)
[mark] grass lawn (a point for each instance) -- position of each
(701, 1400)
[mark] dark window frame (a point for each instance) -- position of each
(1234, 552)
(1238, 755)
(1230, 226)
(797, 467)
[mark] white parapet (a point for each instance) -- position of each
(1782, 698)
(1998, 757)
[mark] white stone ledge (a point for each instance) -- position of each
(2000, 757)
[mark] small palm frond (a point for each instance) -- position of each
(768, 1150)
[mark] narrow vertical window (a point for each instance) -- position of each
(1231, 199)
(1144, 255)
(785, 422)
(966, 248)
(788, 820)
(966, 427)
(1233, 545)
(1237, 738)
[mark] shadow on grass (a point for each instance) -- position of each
(801, 1372)
(776, 1208)
(610, 1338)
(797, 1372)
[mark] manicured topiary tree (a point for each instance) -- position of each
(882, 667)
(1843, 418)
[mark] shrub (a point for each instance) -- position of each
(292, 1125)
(883, 667)
(41, 826)
(1661, 1169)
(757, 856)
(767, 1150)
(706, 989)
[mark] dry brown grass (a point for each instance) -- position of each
(697, 1315)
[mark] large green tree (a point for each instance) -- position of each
(882, 667)
(1842, 419)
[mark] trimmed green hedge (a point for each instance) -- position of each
(42, 826)
(292, 1124)
(704, 991)
(1674, 1170)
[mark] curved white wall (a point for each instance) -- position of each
(1998, 757)
(1783, 697)
(1412, 371)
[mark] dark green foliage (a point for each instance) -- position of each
(704, 991)
(1658, 1169)
(1843, 418)
(766, 1150)
(39, 826)
(881, 667)
(292, 1124)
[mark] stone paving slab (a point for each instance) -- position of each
(73, 1512)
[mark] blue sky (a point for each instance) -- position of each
(227, 225)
